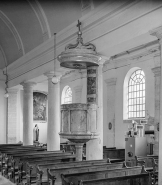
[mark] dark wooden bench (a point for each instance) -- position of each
(42, 168)
(26, 164)
(114, 153)
(145, 160)
(21, 160)
(56, 172)
(16, 156)
(155, 170)
(139, 179)
(75, 178)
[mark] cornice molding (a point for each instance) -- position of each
(151, 49)
(35, 5)
(156, 71)
(74, 75)
(43, 54)
(14, 31)
(157, 32)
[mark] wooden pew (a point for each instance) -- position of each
(4, 145)
(145, 160)
(26, 164)
(37, 156)
(143, 179)
(56, 172)
(155, 171)
(114, 153)
(42, 168)
(16, 156)
(23, 167)
(75, 178)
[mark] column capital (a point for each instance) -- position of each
(51, 75)
(156, 71)
(111, 81)
(27, 84)
(157, 62)
(157, 32)
(103, 59)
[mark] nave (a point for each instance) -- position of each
(80, 91)
(35, 165)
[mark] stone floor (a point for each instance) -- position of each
(4, 181)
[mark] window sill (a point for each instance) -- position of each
(140, 121)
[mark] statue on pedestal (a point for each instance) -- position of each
(36, 133)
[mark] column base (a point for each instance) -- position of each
(79, 151)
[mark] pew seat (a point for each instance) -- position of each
(75, 178)
(142, 179)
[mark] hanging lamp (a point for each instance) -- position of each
(6, 95)
(55, 79)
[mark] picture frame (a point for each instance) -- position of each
(39, 106)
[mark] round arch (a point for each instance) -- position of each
(66, 92)
(125, 91)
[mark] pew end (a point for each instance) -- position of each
(51, 178)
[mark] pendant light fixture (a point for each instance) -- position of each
(55, 79)
(6, 95)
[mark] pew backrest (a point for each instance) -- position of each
(143, 179)
(75, 178)
(83, 169)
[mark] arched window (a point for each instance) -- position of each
(136, 95)
(66, 95)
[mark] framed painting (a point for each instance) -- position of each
(39, 106)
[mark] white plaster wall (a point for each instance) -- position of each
(2, 113)
(120, 73)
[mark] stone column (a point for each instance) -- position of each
(28, 113)
(157, 74)
(110, 124)
(12, 115)
(79, 151)
(158, 33)
(94, 148)
(53, 127)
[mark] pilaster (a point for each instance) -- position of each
(157, 75)
(109, 129)
(158, 33)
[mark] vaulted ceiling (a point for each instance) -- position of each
(25, 24)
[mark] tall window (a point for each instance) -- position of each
(67, 95)
(136, 95)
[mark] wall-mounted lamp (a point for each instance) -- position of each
(55, 80)
(6, 95)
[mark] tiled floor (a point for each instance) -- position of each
(4, 181)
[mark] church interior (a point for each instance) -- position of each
(80, 92)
